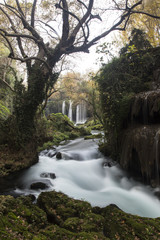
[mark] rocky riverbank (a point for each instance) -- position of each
(49, 132)
(56, 216)
(12, 161)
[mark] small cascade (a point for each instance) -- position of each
(63, 107)
(70, 110)
(145, 109)
(81, 113)
(157, 139)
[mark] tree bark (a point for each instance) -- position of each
(27, 102)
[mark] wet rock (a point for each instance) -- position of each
(48, 175)
(32, 197)
(39, 185)
(51, 153)
(44, 152)
(145, 108)
(157, 194)
(109, 164)
(59, 155)
(138, 152)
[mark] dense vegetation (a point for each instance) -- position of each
(120, 80)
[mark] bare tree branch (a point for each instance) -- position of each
(147, 14)
(124, 19)
(28, 59)
(19, 8)
(84, 18)
(9, 44)
(33, 13)
(65, 31)
(82, 4)
(7, 84)
(19, 35)
(52, 29)
(73, 35)
(11, 8)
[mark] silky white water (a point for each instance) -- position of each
(81, 173)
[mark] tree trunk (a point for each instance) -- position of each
(27, 102)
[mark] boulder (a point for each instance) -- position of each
(39, 185)
(56, 216)
(48, 175)
(59, 155)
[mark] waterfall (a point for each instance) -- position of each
(70, 110)
(63, 107)
(145, 108)
(157, 156)
(81, 113)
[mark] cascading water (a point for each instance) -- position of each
(83, 173)
(70, 110)
(63, 107)
(81, 113)
(145, 109)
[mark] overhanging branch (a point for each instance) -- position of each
(147, 14)
(33, 13)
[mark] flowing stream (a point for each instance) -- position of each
(83, 173)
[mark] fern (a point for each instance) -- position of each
(4, 111)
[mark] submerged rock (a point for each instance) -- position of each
(59, 155)
(48, 175)
(39, 185)
(56, 216)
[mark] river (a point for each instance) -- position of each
(83, 173)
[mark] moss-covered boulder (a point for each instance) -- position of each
(120, 225)
(56, 216)
(19, 218)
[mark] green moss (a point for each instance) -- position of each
(123, 225)
(58, 217)
(93, 136)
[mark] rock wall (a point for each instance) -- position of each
(140, 141)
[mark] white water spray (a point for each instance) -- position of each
(157, 156)
(63, 107)
(81, 113)
(70, 110)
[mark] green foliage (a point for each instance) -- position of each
(55, 129)
(138, 41)
(94, 125)
(60, 122)
(4, 111)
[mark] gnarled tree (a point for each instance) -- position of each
(40, 33)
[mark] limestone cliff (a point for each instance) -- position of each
(140, 141)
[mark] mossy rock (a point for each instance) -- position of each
(58, 217)
(59, 207)
(57, 233)
(89, 223)
(120, 225)
(93, 136)
(19, 218)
